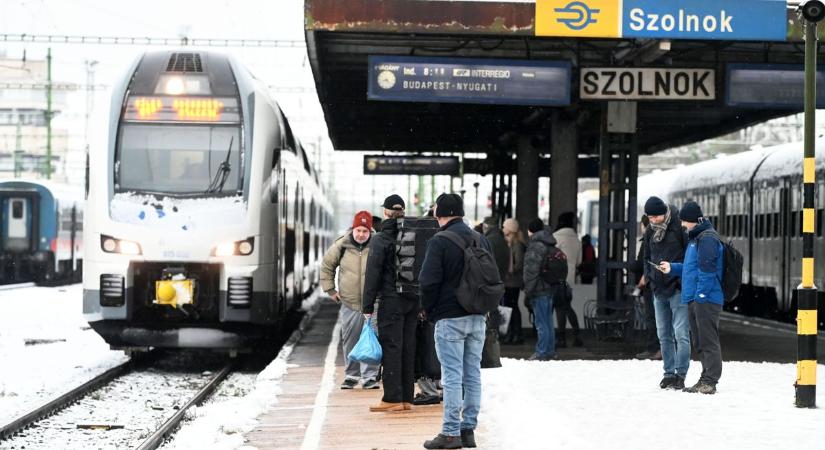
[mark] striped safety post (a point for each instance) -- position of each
(806, 322)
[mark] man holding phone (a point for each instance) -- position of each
(666, 241)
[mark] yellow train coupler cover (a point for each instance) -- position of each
(174, 292)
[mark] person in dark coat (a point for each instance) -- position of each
(397, 313)
(666, 241)
(587, 269)
(459, 335)
(501, 252)
(541, 285)
(651, 340)
(514, 280)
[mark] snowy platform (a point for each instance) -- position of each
(570, 404)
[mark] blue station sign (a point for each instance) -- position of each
(759, 20)
(465, 80)
(770, 86)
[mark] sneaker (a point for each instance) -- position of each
(370, 384)
(468, 438)
(678, 383)
(666, 382)
(442, 441)
(424, 399)
(349, 383)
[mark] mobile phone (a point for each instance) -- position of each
(654, 265)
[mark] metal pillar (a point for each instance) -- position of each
(48, 168)
(807, 292)
(618, 171)
(564, 168)
(527, 190)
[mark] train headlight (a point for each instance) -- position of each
(112, 245)
(243, 248)
(225, 249)
(174, 86)
(109, 245)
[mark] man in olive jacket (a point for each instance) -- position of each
(349, 254)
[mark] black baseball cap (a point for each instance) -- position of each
(394, 201)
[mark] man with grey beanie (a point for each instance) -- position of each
(665, 240)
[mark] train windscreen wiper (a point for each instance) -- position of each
(216, 185)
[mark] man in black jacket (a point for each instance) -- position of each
(397, 313)
(664, 240)
(459, 335)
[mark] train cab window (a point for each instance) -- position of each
(17, 209)
(178, 159)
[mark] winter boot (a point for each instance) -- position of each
(666, 382)
(442, 441)
(468, 438)
(678, 383)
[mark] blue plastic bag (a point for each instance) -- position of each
(367, 350)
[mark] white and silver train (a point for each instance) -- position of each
(205, 220)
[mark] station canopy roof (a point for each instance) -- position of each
(342, 36)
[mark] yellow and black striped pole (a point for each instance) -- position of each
(806, 315)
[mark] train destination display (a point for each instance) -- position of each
(601, 83)
(411, 165)
(466, 80)
(770, 86)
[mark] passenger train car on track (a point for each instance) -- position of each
(41, 231)
(205, 221)
(754, 199)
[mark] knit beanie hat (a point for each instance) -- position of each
(449, 205)
(654, 206)
(362, 219)
(690, 212)
(535, 225)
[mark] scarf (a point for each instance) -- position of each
(659, 229)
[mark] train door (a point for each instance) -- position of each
(785, 204)
(18, 224)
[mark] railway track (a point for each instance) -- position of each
(119, 397)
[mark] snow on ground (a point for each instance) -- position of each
(618, 405)
(233, 410)
(32, 374)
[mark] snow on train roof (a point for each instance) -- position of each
(786, 160)
(736, 168)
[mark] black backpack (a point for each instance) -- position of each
(480, 289)
(732, 262)
(410, 247)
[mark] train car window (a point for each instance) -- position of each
(819, 222)
(17, 209)
(776, 225)
(792, 231)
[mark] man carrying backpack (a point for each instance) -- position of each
(545, 272)
(397, 313)
(701, 275)
(459, 334)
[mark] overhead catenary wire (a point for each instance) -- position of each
(152, 41)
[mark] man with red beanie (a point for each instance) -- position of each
(349, 254)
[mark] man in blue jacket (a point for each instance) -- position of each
(459, 335)
(702, 290)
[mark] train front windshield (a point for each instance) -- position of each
(179, 159)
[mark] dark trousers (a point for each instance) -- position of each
(397, 320)
(510, 300)
(651, 339)
(564, 312)
(704, 328)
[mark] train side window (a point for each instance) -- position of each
(776, 225)
(792, 231)
(17, 209)
(819, 222)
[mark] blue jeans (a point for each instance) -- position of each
(673, 328)
(458, 343)
(543, 314)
